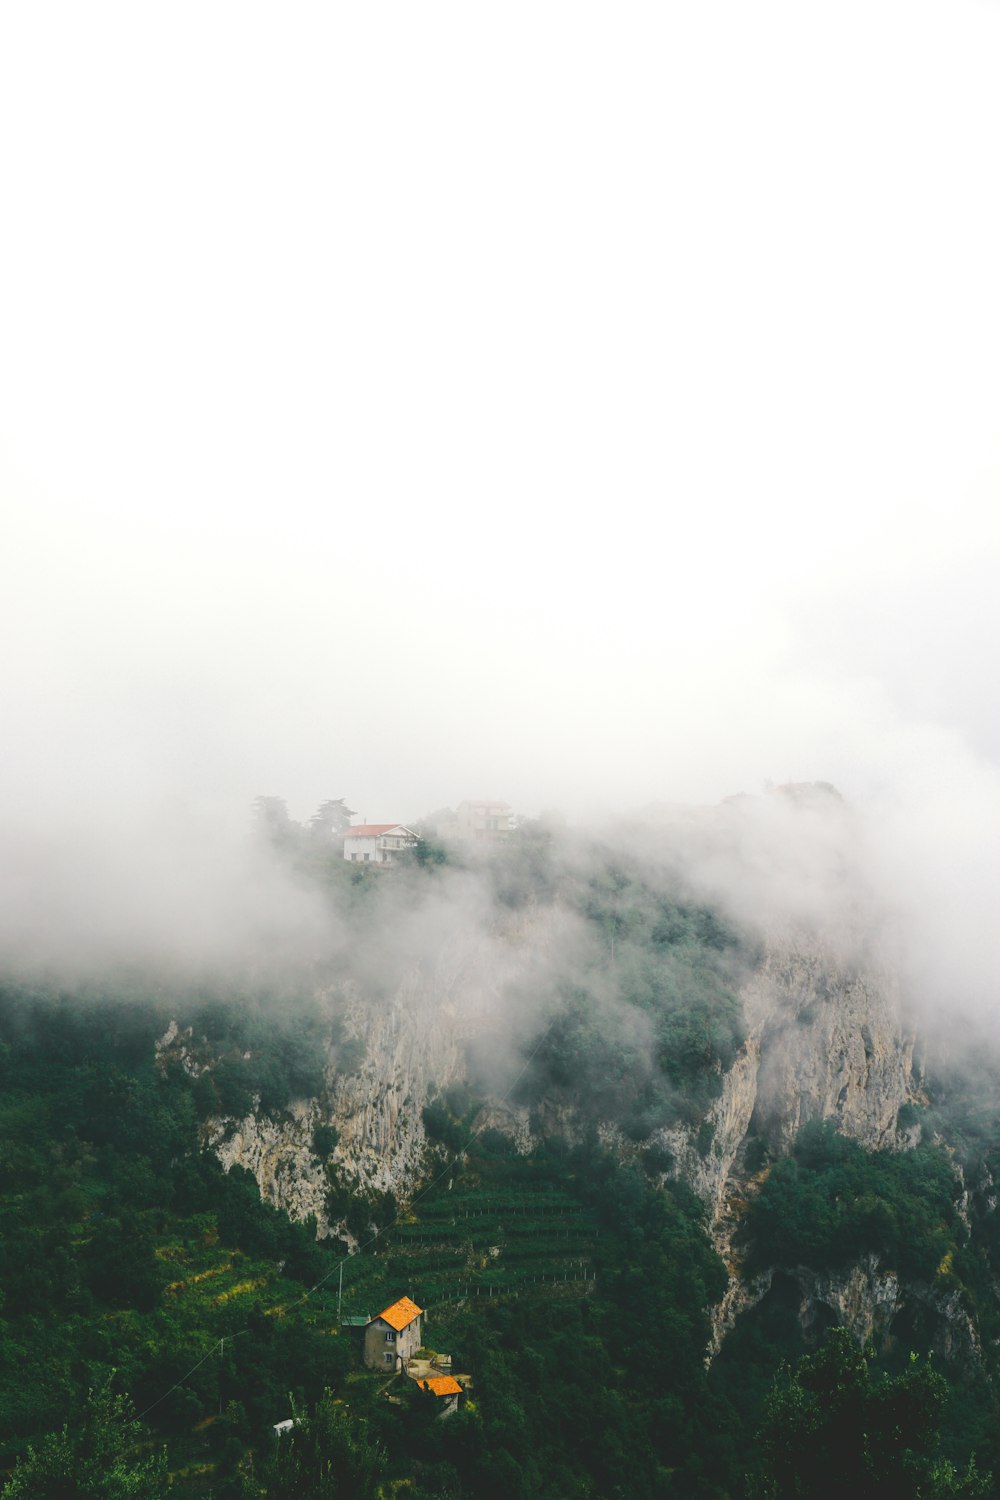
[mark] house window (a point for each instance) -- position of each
(389, 1358)
(390, 1338)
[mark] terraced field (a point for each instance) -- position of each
(504, 1229)
(216, 1286)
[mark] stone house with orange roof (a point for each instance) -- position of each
(393, 1336)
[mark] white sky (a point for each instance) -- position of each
(576, 404)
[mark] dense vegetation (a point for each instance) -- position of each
(126, 1252)
(829, 1203)
(833, 1429)
(644, 1032)
(128, 1255)
(159, 1319)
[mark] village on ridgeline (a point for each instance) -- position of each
(473, 826)
(484, 824)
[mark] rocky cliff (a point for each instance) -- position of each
(392, 1056)
(409, 1048)
(824, 1041)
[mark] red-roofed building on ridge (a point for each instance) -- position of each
(377, 843)
(393, 1336)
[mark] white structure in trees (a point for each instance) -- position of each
(484, 822)
(378, 843)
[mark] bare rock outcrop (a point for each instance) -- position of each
(825, 1042)
(279, 1154)
(832, 1047)
(393, 1055)
(407, 1048)
(875, 1305)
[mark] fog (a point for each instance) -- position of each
(591, 411)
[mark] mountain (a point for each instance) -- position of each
(585, 1076)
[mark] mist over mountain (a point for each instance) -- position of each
(598, 413)
(672, 1059)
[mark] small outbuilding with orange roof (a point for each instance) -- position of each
(445, 1389)
(393, 1336)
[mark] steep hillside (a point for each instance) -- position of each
(822, 1042)
(563, 1079)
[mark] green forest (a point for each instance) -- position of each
(159, 1318)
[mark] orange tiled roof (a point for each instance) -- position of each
(442, 1385)
(401, 1314)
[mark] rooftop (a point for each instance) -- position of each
(401, 1314)
(441, 1385)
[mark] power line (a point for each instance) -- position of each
(219, 1344)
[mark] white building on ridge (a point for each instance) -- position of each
(377, 843)
(484, 822)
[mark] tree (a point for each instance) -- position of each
(330, 818)
(272, 822)
(120, 1263)
(97, 1461)
(831, 1430)
(327, 1456)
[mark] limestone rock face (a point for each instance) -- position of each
(831, 1047)
(825, 1042)
(393, 1056)
(863, 1299)
(280, 1156)
(412, 1047)
(709, 1173)
(408, 1048)
(876, 1307)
